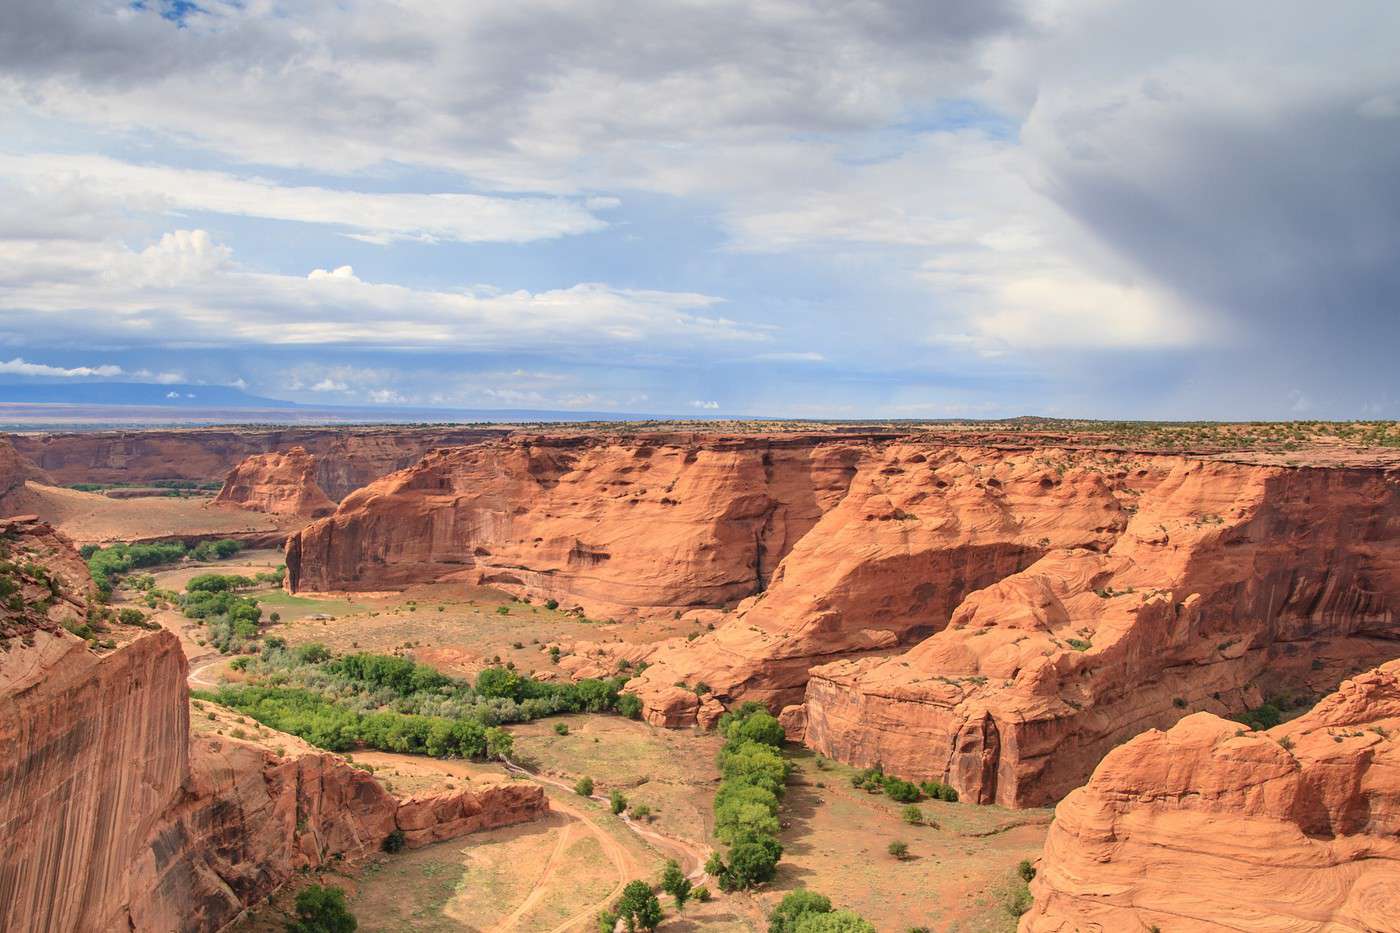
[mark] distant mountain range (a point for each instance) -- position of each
(97, 401)
(137, 393)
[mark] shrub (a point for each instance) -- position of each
(321, 910)
(701, 894)
(561, 728)
(551, 604)
(617, 801)
(630, 706)
(1026, 870)
(584, 786)
(793, 907)
(394, 842)
(131, 617)
(899, 850)
(900, 791)
(913, 815)
(838, 921)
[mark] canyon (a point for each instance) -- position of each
(1032, 620)
(992, 618)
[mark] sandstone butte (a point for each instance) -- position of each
(1210, 827)
(278, 484)
(115, 817)
(994, 617)
(346, 458)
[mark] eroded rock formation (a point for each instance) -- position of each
(614, 525)
(1230, 581)
(44, 584)
(346, 458)
(113, 818)
(278, 484)
(1210, 827)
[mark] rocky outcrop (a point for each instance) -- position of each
(613, 525)
(921, 527)
(1230, 582)
(278, 484)
(1211, 827)
(113, 818)
(44, 583)
(346, 457)
(249, 819)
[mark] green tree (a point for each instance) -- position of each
(675, 883)
(321, 910)
(793, 907)
(617, 801)
(584, 786)
(639, 908)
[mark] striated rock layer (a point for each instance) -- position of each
(277, 483)
(1230, 582)
(920, 527)
(112, 818)
(1207, 827)
(658, 521)
(347, 458)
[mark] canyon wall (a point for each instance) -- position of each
(1209, 826)
(278, 484)
(347, 457)
(657, 521)
(113, 817)
(1229, 583)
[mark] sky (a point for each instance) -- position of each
(819, 209)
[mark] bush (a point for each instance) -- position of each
(630, 706)
(751, 862)
(899, 850)
(793, 907)
(617, 801)
(913, 815)
(701, 894)
(1026, 870)
(321, 910)
(131, 617)
(584, 786)
(551, 604)
(900, 791)
(561, 728)
(939, 791)
(838, 921)
(394, 842)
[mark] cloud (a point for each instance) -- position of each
(330, 385)
(19, 367)
(184, 291)
(371, 217)
(708, 406)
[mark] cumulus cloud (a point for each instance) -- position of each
(184, 291)
(20, 367)
(707, 406)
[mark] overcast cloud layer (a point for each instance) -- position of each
(911, 208)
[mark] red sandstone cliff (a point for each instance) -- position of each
(1231, 581)
(113, 818)
(347, 458)
(16, 469)
(277, 483)
(1209, 827)
(659, 521)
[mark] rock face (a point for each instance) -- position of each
(1229, 583)
(277, 483)
(93, 753)
(16, 469)
(921, 527)
(113, 818)
(346, 458)
(659, 521)
(1208, 827)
